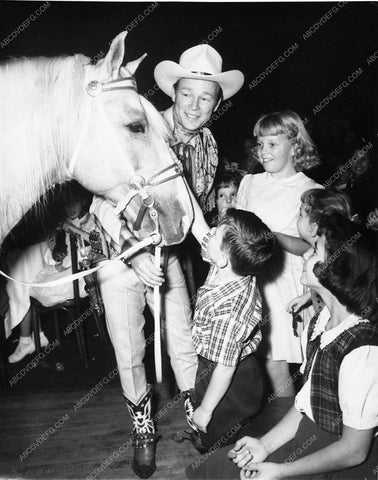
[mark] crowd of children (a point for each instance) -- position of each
(336, 286)
(281, 245)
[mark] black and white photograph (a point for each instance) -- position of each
(189, 240)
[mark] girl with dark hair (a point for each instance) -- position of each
(226, 190)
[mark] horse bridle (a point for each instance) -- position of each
(138, 185)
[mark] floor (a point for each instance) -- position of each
(60, 420)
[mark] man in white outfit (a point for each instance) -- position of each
(197, 86)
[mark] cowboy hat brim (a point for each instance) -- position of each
(167, 73)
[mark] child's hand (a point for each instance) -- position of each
(248, 450)
(297, 303)
(262, 471)
(69, 228)
(59, 267)
(201, 418)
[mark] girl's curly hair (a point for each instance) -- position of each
(290, 124)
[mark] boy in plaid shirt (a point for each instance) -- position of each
(226, 331)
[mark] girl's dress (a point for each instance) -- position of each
(36, 265)
(277, 203)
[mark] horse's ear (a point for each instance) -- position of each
(132, 67)
(114, 58)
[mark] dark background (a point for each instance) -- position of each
(253, 35)
(249, 36)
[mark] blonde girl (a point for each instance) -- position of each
(284, 149)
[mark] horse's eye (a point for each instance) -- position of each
(136, 127)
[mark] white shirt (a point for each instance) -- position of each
(275, 200)
(358, 377)
(110, 222)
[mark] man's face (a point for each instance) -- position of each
(194, 102)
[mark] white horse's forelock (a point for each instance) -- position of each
(40, 100)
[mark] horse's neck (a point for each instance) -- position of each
(37, 136)
(14, 204)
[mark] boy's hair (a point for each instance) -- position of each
(248, 242)
(289, 123)
(226, 179)
(317, 202)
(349, 271)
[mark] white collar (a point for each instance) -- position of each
(328, 336)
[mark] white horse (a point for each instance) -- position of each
(63, 118)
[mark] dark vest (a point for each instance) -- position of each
(325, 375)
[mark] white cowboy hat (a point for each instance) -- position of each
(200, 62)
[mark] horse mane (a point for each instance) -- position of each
(40, 100)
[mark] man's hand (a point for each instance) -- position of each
(143, 265)
(201, 418)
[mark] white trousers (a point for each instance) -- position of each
(125, 297)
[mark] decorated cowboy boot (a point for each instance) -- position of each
(143, 436)
(194, 435)
(189, 407)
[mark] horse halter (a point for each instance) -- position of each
(138, 185)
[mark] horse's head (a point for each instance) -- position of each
(122, 151)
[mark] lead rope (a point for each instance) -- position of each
(124, 255)
(157, 318)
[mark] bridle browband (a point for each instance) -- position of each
(138, 185)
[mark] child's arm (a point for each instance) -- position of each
(350, 450)
(71, 228)
(248, 448)
(219, 383)
(298, 302)
(199, 226)
(291, 244)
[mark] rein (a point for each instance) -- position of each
(153, 240)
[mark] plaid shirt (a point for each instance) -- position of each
(226, 319)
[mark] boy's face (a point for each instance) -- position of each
(214, 245)
(226, 198)
(306, 229)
